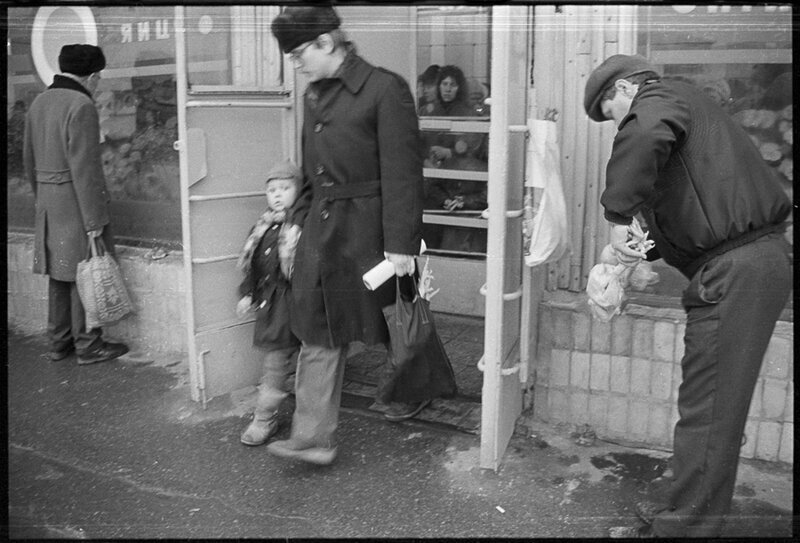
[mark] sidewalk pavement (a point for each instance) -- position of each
(118, 450)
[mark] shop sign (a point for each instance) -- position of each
(145, 31)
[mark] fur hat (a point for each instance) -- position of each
(300, 24)
(613, 68)
(285, 170)
(81, 59)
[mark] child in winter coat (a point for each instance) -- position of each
(267, 260)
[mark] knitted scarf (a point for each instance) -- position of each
(265, 221)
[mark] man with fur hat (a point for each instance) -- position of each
(362, 199)
(63, 166)
(717, 214)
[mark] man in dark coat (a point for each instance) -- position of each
(717, 214)
(361, 199)
(63, 166)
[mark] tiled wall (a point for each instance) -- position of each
(155, 283)
(622, 378)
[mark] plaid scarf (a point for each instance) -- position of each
(265, 221)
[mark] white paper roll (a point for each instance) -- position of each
(383, 272)
(378, 275)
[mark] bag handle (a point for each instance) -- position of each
(96, 247)
(410, 282)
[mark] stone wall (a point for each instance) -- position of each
(622, 378)
(155, 282)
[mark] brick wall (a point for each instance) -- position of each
(622, 378)
(155, 283)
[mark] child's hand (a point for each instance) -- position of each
(243, 307)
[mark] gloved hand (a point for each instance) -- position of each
(244, 305)
(403, 264)
(287, 247)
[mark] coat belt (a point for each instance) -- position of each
(348, 191)
(55, 178)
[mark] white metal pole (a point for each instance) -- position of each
(195, 369)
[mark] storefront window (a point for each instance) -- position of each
(453, 105)
(231, 46)
(136, 102)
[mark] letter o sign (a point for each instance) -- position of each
(55, 27)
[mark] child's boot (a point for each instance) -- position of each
(263, 427)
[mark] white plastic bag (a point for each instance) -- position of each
(545, 231)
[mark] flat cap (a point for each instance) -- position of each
(297, 25)
(81, 59)
(613, 68)
(285, 170)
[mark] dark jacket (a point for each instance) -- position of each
(271, 291)
(362, 195)
(695, 175)
(62, 163)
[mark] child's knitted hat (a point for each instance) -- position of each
(286, 170)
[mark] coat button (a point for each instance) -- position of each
(268, 251)
(318, 128)
(319, 170)
(324, 214)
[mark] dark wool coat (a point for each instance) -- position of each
(362, 195)
(271, 293)
(63, 166)
(694, 174)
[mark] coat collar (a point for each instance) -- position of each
(63, 82)
(353, 72)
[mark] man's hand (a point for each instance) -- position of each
(95, 233)
(624, 245)
(403, 264)
(244, 306)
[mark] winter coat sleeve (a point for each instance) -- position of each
(643, 145)
(401, 169)
(83, 137)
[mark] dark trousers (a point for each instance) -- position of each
(66, 320)
(732, 305)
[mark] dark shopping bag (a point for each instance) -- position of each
(420, 369)
(100, 287)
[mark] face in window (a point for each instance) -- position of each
(448, 88)
(281, 194)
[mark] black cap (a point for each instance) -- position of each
(298, 25)
(81, 59)
(613, 68)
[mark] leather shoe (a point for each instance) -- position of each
(55, 356)
(293, 450)
(108, 351)
(405, 411)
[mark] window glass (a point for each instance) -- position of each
(452, 94)
(136, 102)
(232, 46)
